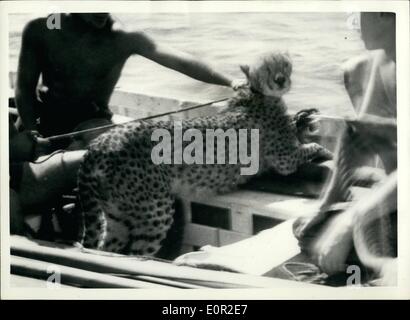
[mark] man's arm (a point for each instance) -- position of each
(174, 59)
(380, 131)
(355, 76)
(28, 74)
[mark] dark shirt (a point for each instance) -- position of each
(58, 117)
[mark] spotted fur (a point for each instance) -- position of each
(128, 201)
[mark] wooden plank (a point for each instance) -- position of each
(185, 248)
(244, 203)
(137, 105)
(118, 264)
(261, 223)
(243, 198)
(199, 235)
(74, 276)
(241, 220)
(228, 237)
(286, 185)
(186, 208)
(256, 255)
(17, 281)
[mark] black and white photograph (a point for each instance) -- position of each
(164, 145)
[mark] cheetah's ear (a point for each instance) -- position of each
(245, 69)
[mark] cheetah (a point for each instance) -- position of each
(128, 201)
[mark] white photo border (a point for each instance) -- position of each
(400, 8)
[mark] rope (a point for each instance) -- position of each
(80, 132)
(304, 272)
(50, 156)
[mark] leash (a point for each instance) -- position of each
(74, 134)
(328, 117)
(49, 156)
(80, 132)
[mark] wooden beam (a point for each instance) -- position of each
(74, 276)
(95, 261)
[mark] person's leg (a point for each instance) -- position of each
(42, 182)
(16, 214)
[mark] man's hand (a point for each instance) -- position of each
(238, 84)
(333, 244)
(22, 146)
(42, 146)
(27, 146)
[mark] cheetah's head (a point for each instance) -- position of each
(270, 75)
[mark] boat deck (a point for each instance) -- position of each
(254, 248)
(248, 230)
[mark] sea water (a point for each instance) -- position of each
(319, 43)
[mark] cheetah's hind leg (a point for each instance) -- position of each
(100, 198)
(132, 213)
(149, 208)
(94, 223)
